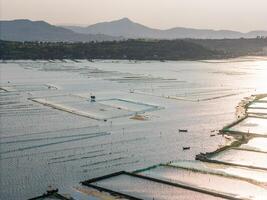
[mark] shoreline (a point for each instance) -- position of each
(211, 60)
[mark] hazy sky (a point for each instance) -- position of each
(242, 15)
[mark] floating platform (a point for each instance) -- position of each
(27, 88)
(99, 110)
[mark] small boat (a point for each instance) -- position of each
(186, 148)
(92, 98)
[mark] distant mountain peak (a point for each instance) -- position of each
(125, 19)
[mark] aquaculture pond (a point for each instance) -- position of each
(53, 134)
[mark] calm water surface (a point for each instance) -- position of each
(41, 146)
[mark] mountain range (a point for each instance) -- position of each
(27, 30)
(128, 29)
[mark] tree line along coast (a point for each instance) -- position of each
(136, 49)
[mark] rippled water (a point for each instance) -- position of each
(42, 146)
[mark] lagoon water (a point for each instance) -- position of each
(61, 144)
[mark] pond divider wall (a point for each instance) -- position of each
(90, 182)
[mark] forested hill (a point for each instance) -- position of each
(235, 47)
(129, 49)
(135, 49)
